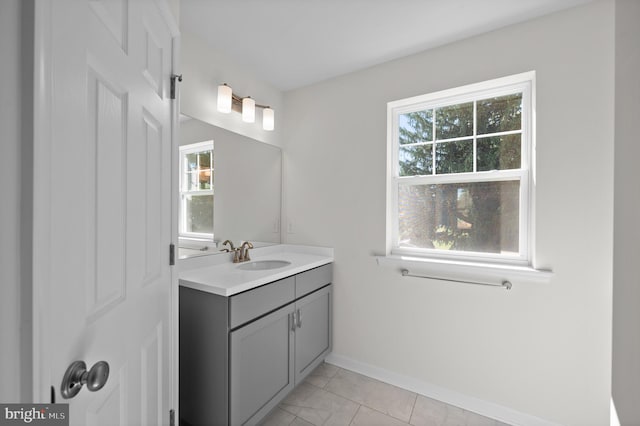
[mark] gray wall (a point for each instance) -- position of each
(16, 41)
(626, 290)
(540, 349)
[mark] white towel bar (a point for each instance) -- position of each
(505, 284)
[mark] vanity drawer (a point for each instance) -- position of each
(309, 281)
(251, 304)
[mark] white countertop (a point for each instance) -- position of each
(225, 279)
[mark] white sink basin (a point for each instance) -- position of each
(263, 265)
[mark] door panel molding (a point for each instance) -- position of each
(107, 109)
(115, 18)
(153, 136)
(111, 408)
(151, 370)
(154, 60)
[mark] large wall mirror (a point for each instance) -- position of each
(230, 189)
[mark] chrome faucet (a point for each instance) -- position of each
(244, 251)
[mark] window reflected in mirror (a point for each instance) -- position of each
(196, 190)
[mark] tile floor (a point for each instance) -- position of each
(332, 396)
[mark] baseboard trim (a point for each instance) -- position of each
(469, 403)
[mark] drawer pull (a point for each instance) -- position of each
(292, 321)
(299, 320)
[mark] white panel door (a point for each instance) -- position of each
(104, 283)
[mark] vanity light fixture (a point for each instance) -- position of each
(267, 119)
(225, 96)
(248, 110)
(228, 101)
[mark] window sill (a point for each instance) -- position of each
(467, 272)
(195, 239)
(201, 244)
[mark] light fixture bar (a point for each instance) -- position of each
(239, 99)
(229, 101)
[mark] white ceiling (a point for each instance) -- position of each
(293, 43)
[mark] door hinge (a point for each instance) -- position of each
(174, 77)
(172, 254)
(172, 417)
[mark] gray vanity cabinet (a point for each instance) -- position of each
(261, 373)
(313, 331)
(241, 355)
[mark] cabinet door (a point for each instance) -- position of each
(261, 371)
(313, 331)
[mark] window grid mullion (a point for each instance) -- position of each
(458, 139)
(464, 138)
(433, 137)
(197, 174)
(475, 135)
(498, 134)
(411, 145)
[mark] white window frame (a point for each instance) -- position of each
(524, 83)
(184, 150)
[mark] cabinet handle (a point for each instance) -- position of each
(292, 321)
(299, 320)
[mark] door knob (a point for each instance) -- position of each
(77, 375)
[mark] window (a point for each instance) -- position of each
(460, 172)
(196, 190)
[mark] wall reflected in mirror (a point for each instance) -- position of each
(230, 189)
